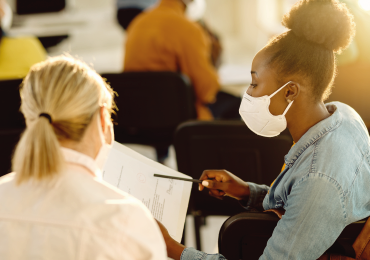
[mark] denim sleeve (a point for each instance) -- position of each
(314, 218)
(256, 197)
(193, 254)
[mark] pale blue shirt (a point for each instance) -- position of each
(324, 188)
(142, 4)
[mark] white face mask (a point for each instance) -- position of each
(104, 150)
(257, 116)
(195, 10)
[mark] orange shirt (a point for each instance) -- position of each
(163, 39)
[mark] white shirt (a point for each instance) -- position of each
(77, 217)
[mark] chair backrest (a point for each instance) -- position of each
(245, 235)
(151, 105)
(10, 101)
(39, 6)
(12, 122)
(8, 140)
(230, 145)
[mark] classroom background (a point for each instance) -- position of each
(88, 29)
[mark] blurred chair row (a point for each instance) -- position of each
(152, 106)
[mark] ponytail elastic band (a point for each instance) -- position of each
(46, 115)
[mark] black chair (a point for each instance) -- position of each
(10, 102)
(39, 6)
(11, 121)
(230, 145)
(245, 235)
(151, 106)
(8, 140)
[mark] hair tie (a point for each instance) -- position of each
(46, 115)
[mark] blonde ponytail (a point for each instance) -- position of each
(38, 153)
(68, 91)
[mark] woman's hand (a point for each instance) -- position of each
(174, 249)
(223, 183)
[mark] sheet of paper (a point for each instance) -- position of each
(133, 173)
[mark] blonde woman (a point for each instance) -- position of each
(55, 204)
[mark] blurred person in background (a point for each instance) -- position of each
(127, 10)
(324, 184)
(165, 39)
(55, 205)
(17, 54)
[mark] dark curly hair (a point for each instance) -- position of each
(318, 30)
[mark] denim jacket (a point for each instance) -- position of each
(325, 187)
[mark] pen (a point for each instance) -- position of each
(177, 178)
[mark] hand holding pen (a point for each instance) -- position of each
(220, 183)
(223, 183)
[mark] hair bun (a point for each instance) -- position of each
(325, 22)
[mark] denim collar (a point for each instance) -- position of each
(313, 134)
(175, 6)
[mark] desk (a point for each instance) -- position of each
(234, 79)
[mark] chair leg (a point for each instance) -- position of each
(197, 225)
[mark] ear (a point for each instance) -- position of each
(292, 91)
(102, 118)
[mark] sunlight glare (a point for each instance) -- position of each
(364, 4)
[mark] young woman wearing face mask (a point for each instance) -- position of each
(55, 204)
(324, 184)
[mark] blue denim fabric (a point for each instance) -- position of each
(192, 254)
(324, 187)
(143, 4)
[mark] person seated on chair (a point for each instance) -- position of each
(127, 10)
(55, 204)
(324, 184)
(164, 39)
(17, 54)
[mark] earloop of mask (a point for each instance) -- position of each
(287, 108)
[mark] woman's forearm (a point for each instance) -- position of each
(174, 249)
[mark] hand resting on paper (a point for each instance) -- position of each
(174, 249)
(223, 183)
